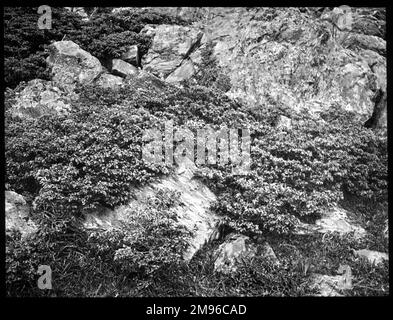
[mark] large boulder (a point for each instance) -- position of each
(71, 65)
(17, 215)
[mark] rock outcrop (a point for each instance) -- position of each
(192, 212)
(288, 57)
(170, 55)
(17, 215)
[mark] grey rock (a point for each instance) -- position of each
(107, 80)
(17, 215)
(132, 56)
(123, 69)
(372, 256)
(71, 65)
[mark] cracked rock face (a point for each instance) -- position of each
(282, 56)
(170, 53)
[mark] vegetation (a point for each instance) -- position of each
(91, 157)
(25, 45)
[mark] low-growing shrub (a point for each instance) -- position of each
(300, 172)
(25, 44)
(90, 157)
(148, 239)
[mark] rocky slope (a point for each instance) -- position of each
(291, 59)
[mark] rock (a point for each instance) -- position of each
(327, 286)
(171, 45)
(230, 253)
(332, 220)
(122, 68)
(374, 257)
(332, 286)
(40, 97)
(369, 21)
(337, 220)
(282, 44)
(79, 11)
(146, 82)
(193, 211)
(362, 41)
(268, 253)
(107, 80)
(17, 215)
(71, 65)
(184, 72)
(284, 122)
(132, 56)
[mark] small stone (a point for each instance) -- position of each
(374, 257)
(132, 56)
(122, 68)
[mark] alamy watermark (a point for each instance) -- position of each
(226, 146)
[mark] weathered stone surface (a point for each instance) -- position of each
(193, 211)
(184, 72)
(283, 46)
(17, 215)
(171, 45)
(122, 68)
(333, 220)
(132, 56)
(230, 253)
(107, 80)
(71, 65)
(40, 97)
(372, 256)
(146, 82)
